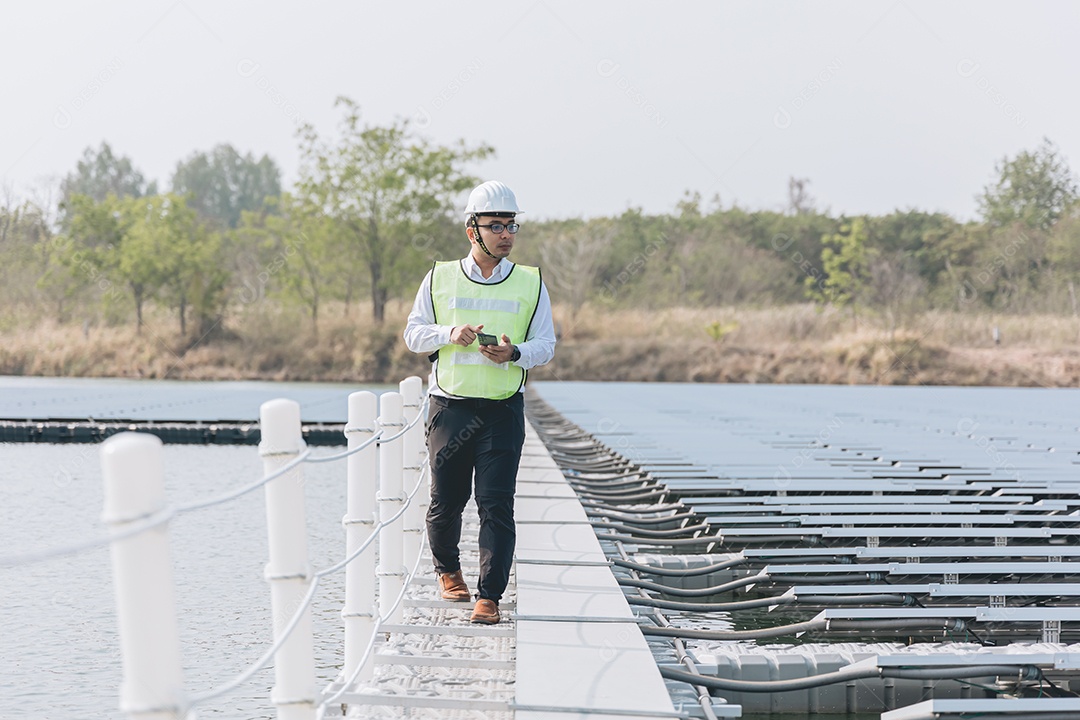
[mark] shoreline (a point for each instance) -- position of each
(786, 345)
(598, 361)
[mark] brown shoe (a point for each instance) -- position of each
(452, 587)
(485, 612)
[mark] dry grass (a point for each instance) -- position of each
(802, 344)
(794, 344)
(264, 344)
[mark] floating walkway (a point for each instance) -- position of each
(568, 647)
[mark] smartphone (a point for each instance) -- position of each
(486, 339)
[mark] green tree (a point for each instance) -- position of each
(90, 248)
(571, 258)
(208, 281)
(894, 286)
(222, 183)
(136, 256)
(176, 258)
(383, 185)
(626, 275)
(844, 258)
(100, 173)
(25, 238)
(302, 245)
(154, 247)
(1034, 189)
(1063, 252)
(951, 264)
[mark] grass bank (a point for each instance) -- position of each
(795, 344)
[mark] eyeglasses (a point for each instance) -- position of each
(497, 228)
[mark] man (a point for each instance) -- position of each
(485, 321)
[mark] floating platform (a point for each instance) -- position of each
(569, 644)
(913, 537)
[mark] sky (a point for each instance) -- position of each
(592, 107)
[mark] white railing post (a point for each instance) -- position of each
(391, 560)
(288, 571)
(424, 496)
(359, 521)
(411, 389)
(134, 474)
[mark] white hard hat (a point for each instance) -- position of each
(491, 197)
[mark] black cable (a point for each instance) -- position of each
(631, 520)
(772, 600)
(760, 633)
(957, 625)
(840, 676)
(712, 607)
(881, 599)
(632, 540)
(598, 468)
(623, 498)
(795, 628)
(639, 487)
(660, 507)
(693, 592)
(680, 572)
(645, 532)
(619, 477)
(586, 465)
(581, 447)
(825, 579)
(1027, 672)
(628, 483)
(716, 683)
(621, 486)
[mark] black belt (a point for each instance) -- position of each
(475, 403)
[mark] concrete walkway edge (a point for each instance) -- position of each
(578, 643)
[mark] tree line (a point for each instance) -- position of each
(374, 205)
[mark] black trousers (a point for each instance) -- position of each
(481, 437)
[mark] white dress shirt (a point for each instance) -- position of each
(422, 335)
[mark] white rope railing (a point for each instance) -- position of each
(169, 513)
(133, 468)
(150, 522)
(348, 682)
(244, 676)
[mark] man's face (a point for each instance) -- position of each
(498, 244)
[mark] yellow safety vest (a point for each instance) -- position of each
(505, 307)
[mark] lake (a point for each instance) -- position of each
(60, 651)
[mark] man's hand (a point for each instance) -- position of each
(498, 353)
(464, 335)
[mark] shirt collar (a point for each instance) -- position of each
(473, 270)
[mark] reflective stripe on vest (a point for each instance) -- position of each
(503, 308)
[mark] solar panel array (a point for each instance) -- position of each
(960, 504)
